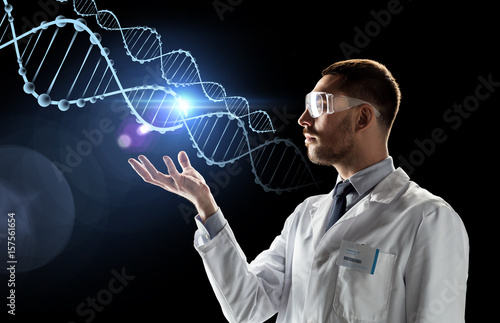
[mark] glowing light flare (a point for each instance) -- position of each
(142, 130)
(183, 105)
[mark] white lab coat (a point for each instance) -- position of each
(420, 276)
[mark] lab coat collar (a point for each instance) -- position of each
(389, 187)
(383, 192)
(367, 178)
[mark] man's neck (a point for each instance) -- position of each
(349, 167)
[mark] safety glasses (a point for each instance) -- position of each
(317, 102)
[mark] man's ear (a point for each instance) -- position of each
(365, 117)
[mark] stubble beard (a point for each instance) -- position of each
(335, 150)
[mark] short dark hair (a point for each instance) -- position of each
(370, 81)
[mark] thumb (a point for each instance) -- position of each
(184, 160)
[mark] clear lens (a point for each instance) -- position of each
(315, 103)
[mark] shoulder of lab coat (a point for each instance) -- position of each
(436, 268)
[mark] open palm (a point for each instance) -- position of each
(189, 184)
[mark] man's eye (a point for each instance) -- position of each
(321, 104)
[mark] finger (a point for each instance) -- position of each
(172, 170)
(149, 167)
(184, 160)
(139, 168)
(157, 177)
(163, 181)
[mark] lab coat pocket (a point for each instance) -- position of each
(362, 296)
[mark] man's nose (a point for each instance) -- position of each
(305, 119)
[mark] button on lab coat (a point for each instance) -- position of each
(420, 274)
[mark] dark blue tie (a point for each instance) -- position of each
(339, 202)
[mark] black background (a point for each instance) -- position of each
(272, 53)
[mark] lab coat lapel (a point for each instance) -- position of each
(319, 214)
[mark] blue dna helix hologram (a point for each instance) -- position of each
(51, 61)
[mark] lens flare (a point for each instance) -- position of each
(183, 106)
(124, 141)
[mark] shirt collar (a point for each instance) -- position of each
(367, 178)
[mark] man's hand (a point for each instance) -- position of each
(189, 184)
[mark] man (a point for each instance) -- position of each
(377, 249)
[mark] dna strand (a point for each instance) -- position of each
(85, 76)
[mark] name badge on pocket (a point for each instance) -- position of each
(357, 256)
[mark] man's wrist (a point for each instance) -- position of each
(206, 208)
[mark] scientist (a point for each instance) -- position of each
(378, 248)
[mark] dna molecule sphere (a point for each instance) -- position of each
(64, 64)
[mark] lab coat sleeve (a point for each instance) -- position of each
(213, 225)
(437, 269)
(246, 292)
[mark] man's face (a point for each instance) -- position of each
(330, 137)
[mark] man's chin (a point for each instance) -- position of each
(316, 157)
